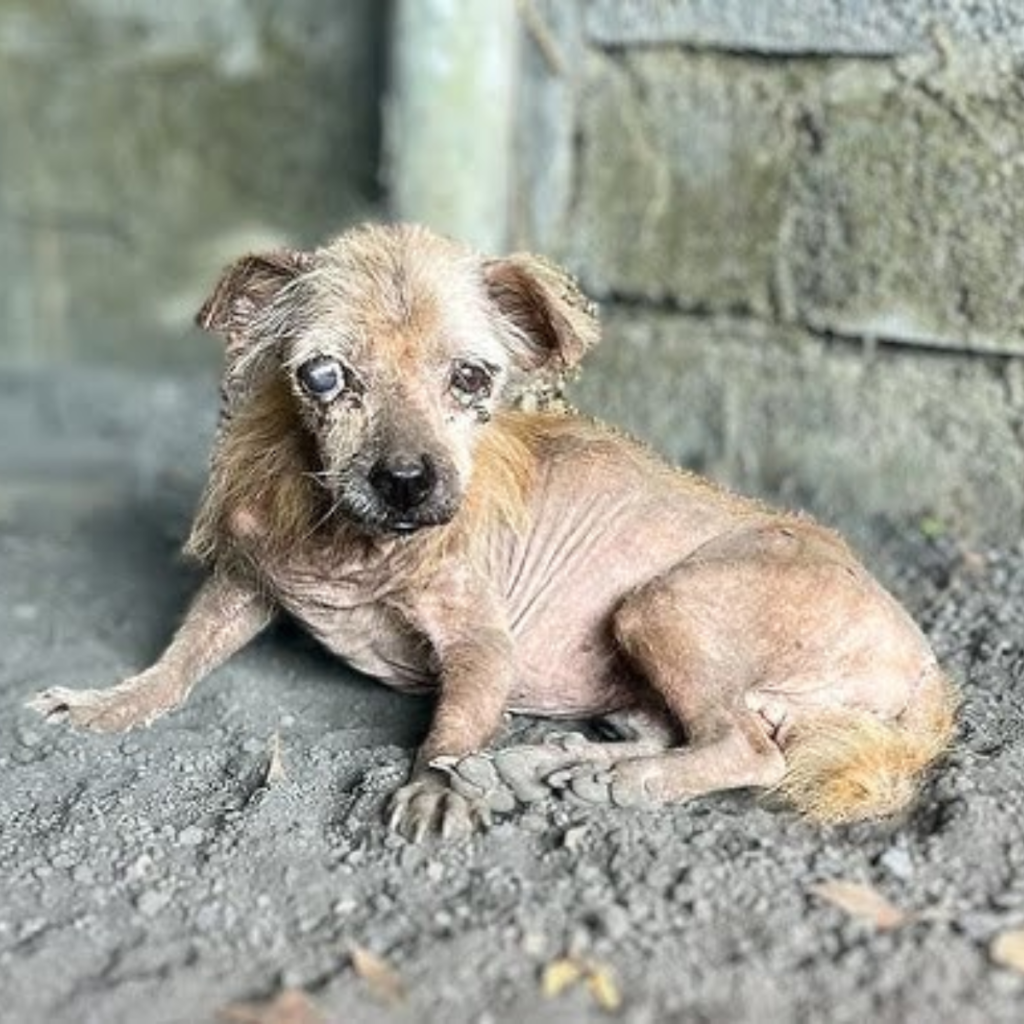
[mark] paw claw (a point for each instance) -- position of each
(98, 710)
(137, 701)
(475, 771)
(430, 806)
(52, 704)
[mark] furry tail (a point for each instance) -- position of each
(850, 765)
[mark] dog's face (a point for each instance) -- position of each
(398, 346)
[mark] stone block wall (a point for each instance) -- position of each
(805, 221)
(144, 143)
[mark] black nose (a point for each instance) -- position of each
(404, 483)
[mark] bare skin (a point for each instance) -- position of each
(375, 478)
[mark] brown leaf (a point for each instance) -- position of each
(1007, 950)
(603, 988)
(289, 1006)
(384, 982)
(560, 975)
(564, 973)
(861, 901)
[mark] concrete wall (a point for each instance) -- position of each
(804, 220)
(450, 113)
(145, 142)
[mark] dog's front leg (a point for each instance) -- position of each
(224, 616)
(476, 677)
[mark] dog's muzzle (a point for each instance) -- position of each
(409, 492)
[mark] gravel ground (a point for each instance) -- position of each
(235, 851)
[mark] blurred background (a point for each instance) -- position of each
(803, 220)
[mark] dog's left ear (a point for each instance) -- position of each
(554, 323)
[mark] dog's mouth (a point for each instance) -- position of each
(378, 519)
(394, 499)
(404, 527)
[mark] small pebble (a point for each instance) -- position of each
(192, 835)
(150, 903)
(139, 868)
(534, 944)
(573, 838)
(898, 862)
(534, 822)
(616, 922)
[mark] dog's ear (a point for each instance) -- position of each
(554, 323)
(247, 287)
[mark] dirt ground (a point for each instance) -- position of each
(170, 875)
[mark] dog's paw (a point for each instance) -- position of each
(475, 778)
(629, 783)
(506, 778)
(428, 806)
(116, 709)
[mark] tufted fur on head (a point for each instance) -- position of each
(395, 305)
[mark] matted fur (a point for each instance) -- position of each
(262, 468)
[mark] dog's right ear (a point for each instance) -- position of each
(555, 323)
(248, 287)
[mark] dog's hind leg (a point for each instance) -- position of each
(703, 678)
(741, 757)
(747, 643)
(522, 773)
(752, 643)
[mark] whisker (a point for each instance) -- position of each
(323, 477)
(331, 510)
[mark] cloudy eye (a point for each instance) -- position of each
(322, 377)
(471, 382)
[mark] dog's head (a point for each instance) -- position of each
(398, 346)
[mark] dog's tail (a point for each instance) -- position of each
(850, 765)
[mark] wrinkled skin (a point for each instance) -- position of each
(376, 477)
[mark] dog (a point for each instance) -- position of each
(393, 468)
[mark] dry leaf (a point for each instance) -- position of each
(861, 901)
(560, 975)
(275, 767)
(603, 988)
(384, 982)
(289, 1006)
(1007, 950)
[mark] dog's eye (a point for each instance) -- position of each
(322, 376)
(471, 381)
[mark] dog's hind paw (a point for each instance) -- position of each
(506, 778)
(617, 785)
(429, 806)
